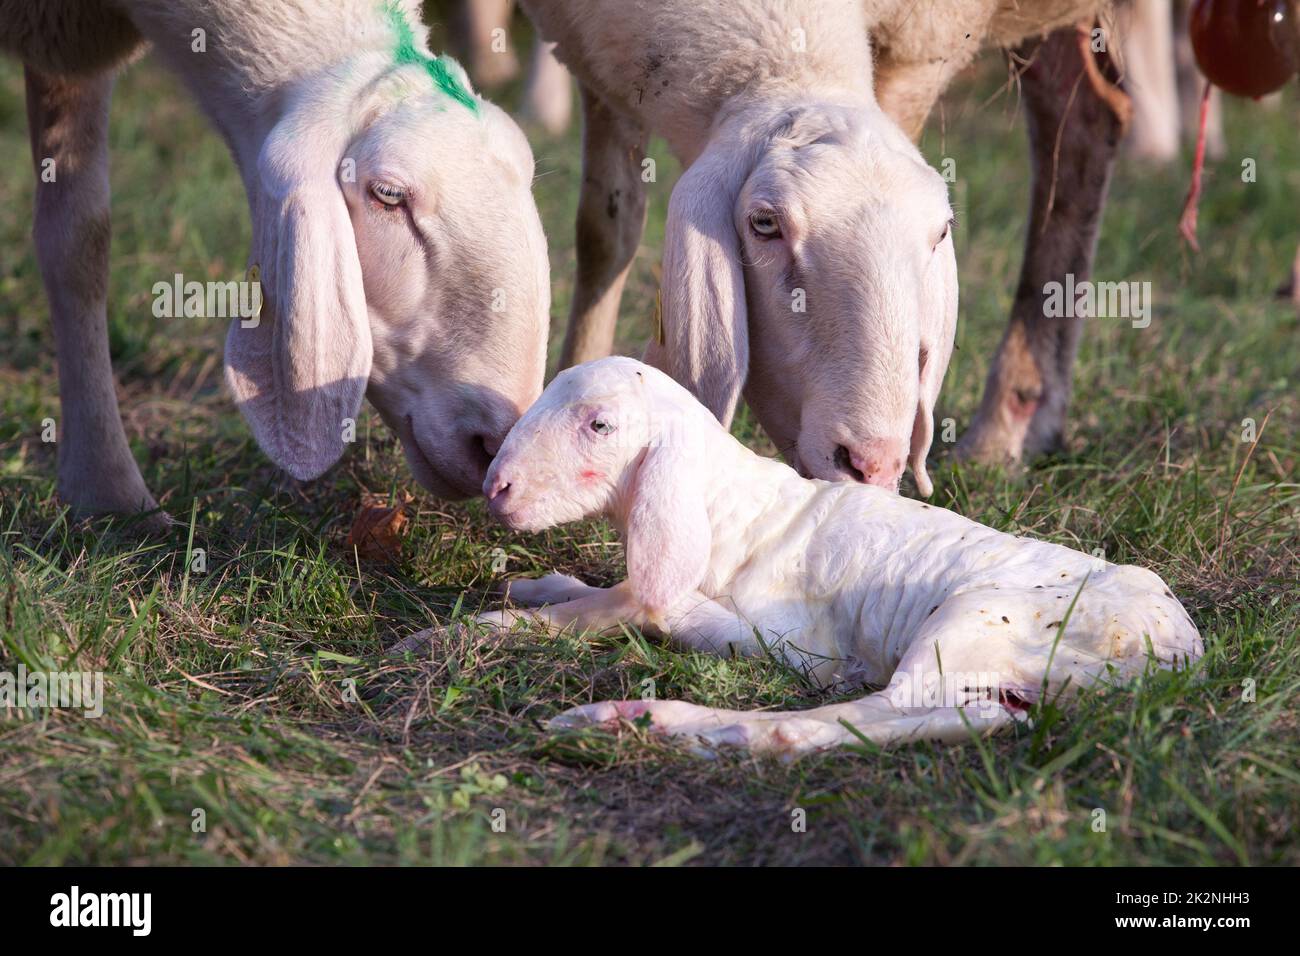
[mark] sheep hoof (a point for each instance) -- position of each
(551, 589)
(501, 621)
(139, 524)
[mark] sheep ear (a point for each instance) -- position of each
(299, 372)
(704, 316)
(668, 537)
(938, 328)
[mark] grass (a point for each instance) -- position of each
(256, 698)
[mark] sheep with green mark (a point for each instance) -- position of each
(446, 74)
(398, 247)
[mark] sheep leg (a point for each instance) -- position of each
(68, 122)
(696, 621)
(706, 730)
(600, 609)
(975, 665)
(1152, 81)
(911, 709)
(548, 97)
(551, 589)
(611, 217)
(1075, 122)
(490, 59)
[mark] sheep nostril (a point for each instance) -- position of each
(844, 462)
(877, 461)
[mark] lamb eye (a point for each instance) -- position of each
(765, 224)
(601, 427)
(388, 194)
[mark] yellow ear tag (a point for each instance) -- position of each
(659, 316)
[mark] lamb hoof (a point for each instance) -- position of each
(551, 589)
(501, 621)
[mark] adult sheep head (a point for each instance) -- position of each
(808, 260)
(402, 258)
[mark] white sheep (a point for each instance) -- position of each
(728, 552)
(399, 248)
(799, 195)
(808, 254)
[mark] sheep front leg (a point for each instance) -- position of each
(1076, 114)
(696, 621)
(611, 217)
(551, 589)
(589, 608)
(68, 123)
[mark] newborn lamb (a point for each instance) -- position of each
(733, 553)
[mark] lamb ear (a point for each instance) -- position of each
(300, 371)
(938, 329)
(704, 314)
(668, 536)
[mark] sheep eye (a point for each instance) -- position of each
(947, 228)
(388, 194)
(765, 224)
(601, 427)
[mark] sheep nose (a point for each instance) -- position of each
(877, 461)
(496, 488)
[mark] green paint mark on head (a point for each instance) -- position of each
(408, 54)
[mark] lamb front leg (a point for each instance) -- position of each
(551, 589)
(1076, 114)
(697, 622)
(594, 610)
(705, 624)
(68, 123)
